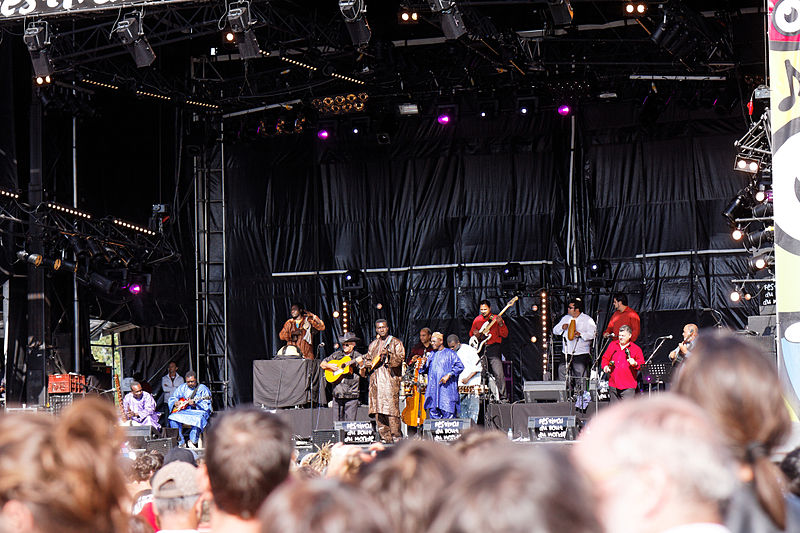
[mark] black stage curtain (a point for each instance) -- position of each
(478, 192)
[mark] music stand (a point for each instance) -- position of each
(654, 374)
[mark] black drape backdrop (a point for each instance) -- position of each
(423, 213)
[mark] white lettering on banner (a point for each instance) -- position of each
(10, 8)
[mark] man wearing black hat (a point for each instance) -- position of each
(345, 390)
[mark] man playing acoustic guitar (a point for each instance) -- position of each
(498, 331)
(190, 405)
(345, 390)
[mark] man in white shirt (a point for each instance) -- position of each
(582, 329)
(169, 383)
(471, 375)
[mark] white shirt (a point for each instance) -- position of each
(582, 344)
(472, 363)
(168, 385)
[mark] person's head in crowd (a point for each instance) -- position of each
(790, 466)
(656, 464)
(137, 524)
(405, 480)
(741, 391)
(180, 454)
(247, 456)
(478, 441)
(176, 496)
(146, 465)
(425, 336)
(453, 342)
(321, 505)
(516, 489)
(62, 474)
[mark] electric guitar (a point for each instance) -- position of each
(481, 336)
(344, 365)
(183, 403)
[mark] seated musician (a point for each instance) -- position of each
(139, 407)
(345, 391)
(190, 405)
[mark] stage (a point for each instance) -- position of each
(304, 421)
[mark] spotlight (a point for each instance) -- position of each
(747, 164)
(407, 16)
(533, 340)
(736, 208)
(102, 283)
(598, 273)
(737, 234)
(564, 110)
(483, 114)
(130, 32)
(241, 23)
(635, 9)
(37, 40)
(42, 80)
(760, 196)
(761, 261)
(230, 36)
(323, 135)
(512, 278)
(352, 281)
(379, 306)
(336, 314)
(134, 288)
(736, 295)
(443, 119)
(354, 13)
(449, 17)
(523, 110)
(33, 259)
(760, 238)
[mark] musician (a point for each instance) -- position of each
(470, 376)
(345, 391)
(190, 405)
(307, 323)
(139, 407)
(622, 361)
(493, 351)
(686, 346)
(443, 368)
(623, 315)
(576, 351)
(384, 381)
(423, 347)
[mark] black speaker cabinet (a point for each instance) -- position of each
(545, 391)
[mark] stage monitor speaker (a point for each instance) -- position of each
(321, 437)
(161, 445)
(546, 428)
(137, 436)
(545, 391)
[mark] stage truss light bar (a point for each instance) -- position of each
(298, 63)
(153, 95)
(9, 194)
(347, 78)
(134, 227)
(100, 84)
(202, 104)
(68, 210)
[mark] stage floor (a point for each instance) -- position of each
(303, 422)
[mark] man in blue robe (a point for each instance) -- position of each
(197, 401)
(443, 367)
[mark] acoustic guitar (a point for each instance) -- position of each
(482, 336)
(345, 367)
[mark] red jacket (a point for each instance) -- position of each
(628, 317)
(623, 374)
(498, 332)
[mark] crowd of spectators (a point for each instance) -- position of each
(698, 459)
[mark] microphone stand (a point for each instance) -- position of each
(717, 316)
(660, 344)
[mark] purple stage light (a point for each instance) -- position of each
(564, 110)
(134, 288)
(323, 134)
(443, 119)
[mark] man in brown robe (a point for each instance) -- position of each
(384, 381)
(306, 324)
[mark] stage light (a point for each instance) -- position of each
(737, 234)
(408, 109)
(635, 9)
(134, 288)
(323, 135)
(533, 340)
(747, 296)
(230, 36)
(747, 164)
(354, 13)
(760, 196)
(37, 40)
(736, 295)
(761, 261)
(407, 16)
(523, 110)
(355, 131)
(758, 239)
(68, 210)
(336, 314)
(736, 208)
(449, 17)
(102, 283)
(33, 259)
(130, 32)
(512, 277)
(443, 119)
(564, 110)
(42, 80)
(352, 281)
(483, 114)
(242, 22)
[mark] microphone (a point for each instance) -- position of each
(666, 337)
(707, 310)
(627, 352)
(321, 344)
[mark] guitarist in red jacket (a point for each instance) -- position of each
(493, 351)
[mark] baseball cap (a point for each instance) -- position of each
(175, 480)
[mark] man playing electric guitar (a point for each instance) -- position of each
(497, 331)
(345, 390)
(190, 405)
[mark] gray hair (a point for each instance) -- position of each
(626, 327)
(180, 505)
